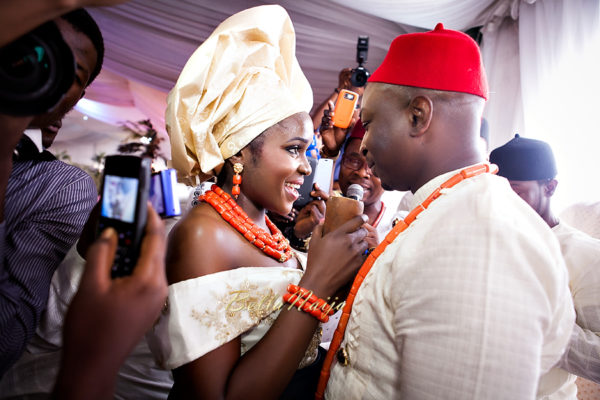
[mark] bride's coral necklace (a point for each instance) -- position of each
(272, 244)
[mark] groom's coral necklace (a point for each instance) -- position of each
(338, 336)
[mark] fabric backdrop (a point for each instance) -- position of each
(540, 57)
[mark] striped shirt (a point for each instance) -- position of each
(46, 205)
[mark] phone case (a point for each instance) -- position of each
(344, 108)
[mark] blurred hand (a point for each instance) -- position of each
(311, 214)
(108, 317)
(332, 137)
(12, 131)
(344, 79)
(283, 219)
(372, 236)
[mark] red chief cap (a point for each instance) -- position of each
(440, 59)
(358, 131)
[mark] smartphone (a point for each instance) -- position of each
(124, 198)
(321, 174)
(344, 108)
(162, 193)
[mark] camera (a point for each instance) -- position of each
(36, 70)
(360, 74)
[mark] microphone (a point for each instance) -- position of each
(341, 209)
(355, 192)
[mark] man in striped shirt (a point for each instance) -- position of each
(46, 203)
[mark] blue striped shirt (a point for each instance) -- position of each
(47, 203)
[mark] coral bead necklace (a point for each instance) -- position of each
(272, 244)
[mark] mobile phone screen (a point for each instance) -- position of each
(156, 194)
(119, 198)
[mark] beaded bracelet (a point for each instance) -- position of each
(306, 307)
(308, 302)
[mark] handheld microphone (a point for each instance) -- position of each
(355, 192)
(341, 209)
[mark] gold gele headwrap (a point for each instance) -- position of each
(242, 80)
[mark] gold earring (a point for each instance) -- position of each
(237, 179)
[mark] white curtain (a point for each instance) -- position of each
(504, 109)
(559, 43)
(460, 15)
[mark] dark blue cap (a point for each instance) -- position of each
(523, 159)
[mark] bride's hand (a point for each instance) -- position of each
(334, 259)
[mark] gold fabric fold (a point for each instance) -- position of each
(242, 80)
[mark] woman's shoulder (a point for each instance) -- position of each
(199, 244)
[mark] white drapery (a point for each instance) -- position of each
(149, 41)
(559, 43)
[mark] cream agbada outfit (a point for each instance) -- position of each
(470, 302)
(582, 357)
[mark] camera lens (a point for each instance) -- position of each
(359, 77)
(36, 70)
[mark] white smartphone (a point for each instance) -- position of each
(322, 175)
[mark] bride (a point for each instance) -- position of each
(239, 111)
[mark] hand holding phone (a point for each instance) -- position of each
(107, 318)
(125, 188)
(321, 174)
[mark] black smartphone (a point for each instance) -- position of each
(321, 174)
(124, 197)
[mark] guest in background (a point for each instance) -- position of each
(107, 316)
(47, 201)
(353, 170)
(529, 166)
(437, 311)
(584, 216)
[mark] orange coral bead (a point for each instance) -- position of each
(231, 212)
(237, 179)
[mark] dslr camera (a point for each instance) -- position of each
(36, 70)
(360, 74)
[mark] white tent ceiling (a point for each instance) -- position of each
(148, 42)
